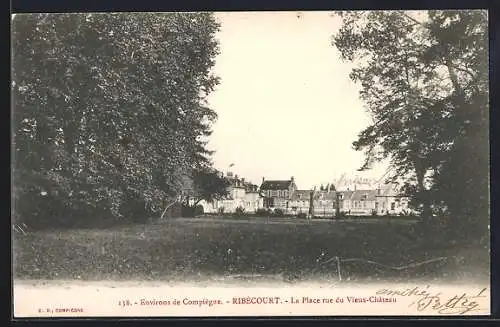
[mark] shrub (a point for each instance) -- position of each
(374, 212)
(187, 211)
(278, 212)
(240, 211)
(262, 212)
(221, 210)
(133, 209)
(198, 210)
(302, 215)
(340, 214)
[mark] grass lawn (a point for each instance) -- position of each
(201, 248)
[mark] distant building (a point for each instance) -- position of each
(241, 194)
(358, 202)
(356, 182)
(299, 202)
(277, 193)
(324, 203)
(382, 200)
(253, 199)
(390, 202)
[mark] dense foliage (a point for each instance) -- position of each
(109, 112)
(424, 80)
(204, 184)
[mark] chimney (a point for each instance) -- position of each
(262, 179)
(292, 179)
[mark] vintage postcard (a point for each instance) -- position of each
(250, 164)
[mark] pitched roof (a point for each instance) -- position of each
(304, 195)
(358, 181)
(275, 185)
(368, 195)
(237, 182)
(323, 195)
(251, 188)
(347, 194)
(301, 195)
(388, 190)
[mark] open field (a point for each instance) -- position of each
(280, 249)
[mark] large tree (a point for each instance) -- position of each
(110, 109)
(204, 184)
(459, 44)
(423, 79)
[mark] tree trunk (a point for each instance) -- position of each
(422, 191)
(454, 78)
(311, 204)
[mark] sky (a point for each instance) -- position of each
(286, 106)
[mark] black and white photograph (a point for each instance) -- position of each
(250, 163)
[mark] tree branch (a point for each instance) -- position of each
(415, 21)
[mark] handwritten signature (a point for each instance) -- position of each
(458, 304)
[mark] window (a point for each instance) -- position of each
(270, 202)
(393, 206)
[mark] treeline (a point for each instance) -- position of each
(110, 118)
(423, 77)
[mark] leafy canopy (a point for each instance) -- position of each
(109, 109)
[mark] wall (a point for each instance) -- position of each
(249, 201)
(301, 206)
(237, 193)
(382, 205)
(253, 201)
(324, 208)
(392, 205)
(362, 208)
